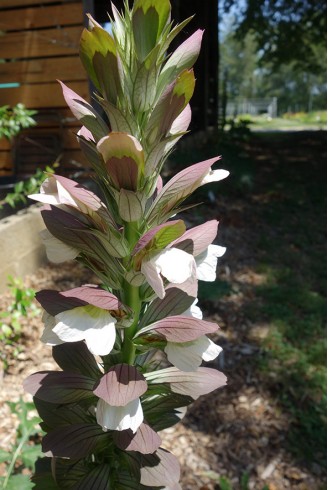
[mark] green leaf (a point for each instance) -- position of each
(175, 302)
(5, 456)
(76, 357)
(59, 386)
(144, 87)
(75, 441)
(21, 482)
(29, 455)
(170, 105)
(161, 410)
(98, 55)
(183, 58)
(98, 478)
(167, 234)
(158, 238)
(68, 473)
(42, 477)
(130, 205)
(149, 18)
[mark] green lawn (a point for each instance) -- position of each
(298, 121)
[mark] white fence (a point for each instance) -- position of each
(252, 106)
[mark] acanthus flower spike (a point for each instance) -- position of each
(102, 411)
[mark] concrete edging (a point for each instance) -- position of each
(21, 249)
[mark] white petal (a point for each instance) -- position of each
(86, 134)
(176, 265)
(56, 250)
(215, 176)
(48, 336)
(194, 311)
(181, 412)
(89, 323)
(52, 192)
(48, 192)
(45, 198)
(120, 418)
(207, 262)
(184, 356)
(188, 356)
(212, 351)
(64, 196)
(151, 271)
(190, 286)
(100, 341)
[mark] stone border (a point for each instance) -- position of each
(21, 249)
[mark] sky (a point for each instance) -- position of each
(226, 21)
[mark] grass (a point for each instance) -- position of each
(288, 121)
(293, 300)
(285, 192)
(295, 358)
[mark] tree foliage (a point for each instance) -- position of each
(245, 75)
(285, 30)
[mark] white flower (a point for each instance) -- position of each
(175, 265)
(125, 417)
(214, 176)
(188, 356)
(56, 250)
(207, 261)
(52, 192)
(90, 323)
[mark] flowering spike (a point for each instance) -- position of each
(101, 413)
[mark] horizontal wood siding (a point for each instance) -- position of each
(40, 95)
(32, 18)
(42, 70)
(26, 3)
(40, 43)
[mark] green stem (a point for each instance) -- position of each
(131, 298)
(14, 458)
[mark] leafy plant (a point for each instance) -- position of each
(26, 449)
(21, 306)
(14, 119)
(29, 186)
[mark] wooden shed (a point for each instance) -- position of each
(39, 41)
